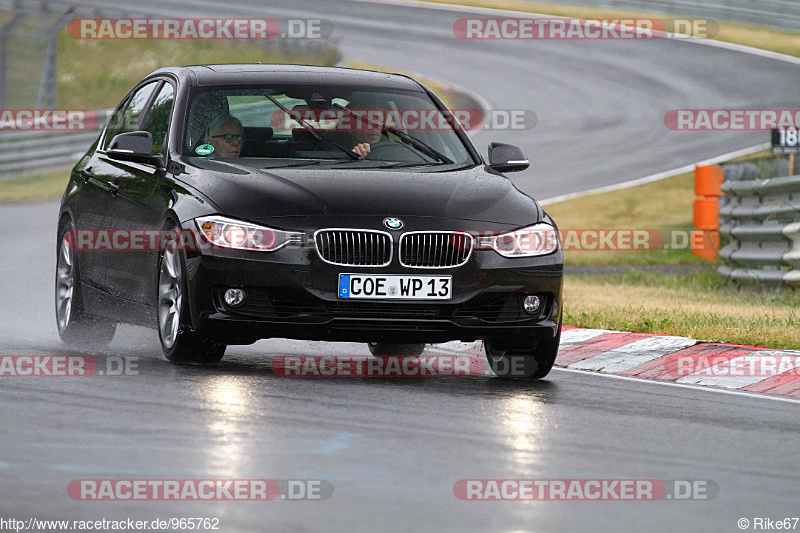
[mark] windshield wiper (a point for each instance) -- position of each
(417, 164)
(372, 162)
(416, 143)
(312, 130)
(368, 163)
(289, 165)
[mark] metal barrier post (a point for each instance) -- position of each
(47, 87)
(4, 33)
(707, 182)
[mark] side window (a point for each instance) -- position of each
(157, 121)
(129, 119)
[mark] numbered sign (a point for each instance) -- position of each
(785, 141)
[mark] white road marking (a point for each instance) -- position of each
(757, 395)
(658, 176)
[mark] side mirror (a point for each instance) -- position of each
(136, 146)
(507, 158)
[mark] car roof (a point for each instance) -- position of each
(247, 73)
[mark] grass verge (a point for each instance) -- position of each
(637, 208)
(47, 185)
(783, 42)
(701, 305)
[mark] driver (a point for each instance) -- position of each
(226, 135)
(366, 134)
(365, 137)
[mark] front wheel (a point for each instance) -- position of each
(74, 325)
(523, 362)
(179, 343)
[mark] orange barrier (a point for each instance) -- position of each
(707, 182)
(706, 213)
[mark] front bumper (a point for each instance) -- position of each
(292, 293)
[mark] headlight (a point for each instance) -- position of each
(541, 239)
(229, 233)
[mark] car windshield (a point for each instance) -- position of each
(294, 125)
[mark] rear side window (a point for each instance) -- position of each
(129, 119)
(157, 121)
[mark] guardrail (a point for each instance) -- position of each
(25, 152)
(760, 218)
(22, 153)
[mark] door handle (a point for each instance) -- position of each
(113, 187)
(86, 174)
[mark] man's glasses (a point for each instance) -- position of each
(229, 137)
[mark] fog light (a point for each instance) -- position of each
(531, 304)
(234, 297)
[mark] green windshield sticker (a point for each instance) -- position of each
(204, 149)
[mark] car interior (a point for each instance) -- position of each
(263, 138)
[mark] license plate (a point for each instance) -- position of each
(395, 287)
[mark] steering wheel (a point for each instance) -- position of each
(393, 151)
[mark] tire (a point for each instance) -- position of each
(179, 342)
(75, 326)
(524, 363)
(385, 348)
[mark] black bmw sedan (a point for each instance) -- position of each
(224, 204)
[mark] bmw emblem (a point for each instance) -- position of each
(393, 223)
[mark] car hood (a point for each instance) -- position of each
(260, 195)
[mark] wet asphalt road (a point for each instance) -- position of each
(393, 449)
